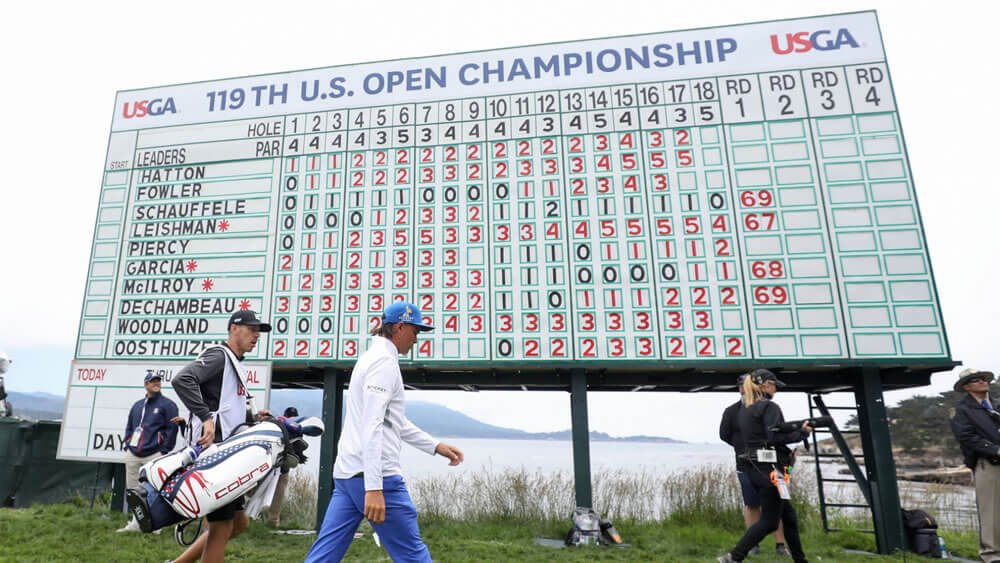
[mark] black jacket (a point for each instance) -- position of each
(199, 384)
(756, 422)
(729, 430)
(977, 431)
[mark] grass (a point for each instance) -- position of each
(489, 516)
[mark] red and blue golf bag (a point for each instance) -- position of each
(191, 483)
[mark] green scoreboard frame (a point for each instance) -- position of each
(701, 199)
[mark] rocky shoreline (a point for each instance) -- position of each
(931, 465)
(960, 475)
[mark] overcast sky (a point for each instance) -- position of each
(64, 64)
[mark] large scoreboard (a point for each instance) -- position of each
(735, 194)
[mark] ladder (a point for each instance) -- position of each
(816, 403)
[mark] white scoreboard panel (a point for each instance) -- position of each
(737, 193)
(100, 395)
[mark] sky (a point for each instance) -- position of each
(63, 65)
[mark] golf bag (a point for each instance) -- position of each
(191, 483)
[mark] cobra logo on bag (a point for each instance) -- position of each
(243, 479)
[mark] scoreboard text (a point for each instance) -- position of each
(728, 194)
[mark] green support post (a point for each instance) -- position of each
(118, 489)
(333, 417)
(581, 438)
(879, 464)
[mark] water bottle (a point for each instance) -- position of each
(158, 471)
(190, 454)
(944, 549)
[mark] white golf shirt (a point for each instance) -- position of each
(375, 425)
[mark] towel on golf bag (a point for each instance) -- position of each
(172, 488)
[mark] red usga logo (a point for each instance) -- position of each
(804, 41)
(242, 479)
(148, 107)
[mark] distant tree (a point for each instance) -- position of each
(921, 422)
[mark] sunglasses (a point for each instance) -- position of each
(978, 379)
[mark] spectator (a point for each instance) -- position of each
(976, 425)
(151, 431)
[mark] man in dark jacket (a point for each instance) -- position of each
(151, 431)
(976, 425)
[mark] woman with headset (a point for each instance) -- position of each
(767, 457)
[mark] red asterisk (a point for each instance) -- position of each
(244, 305)
(192, 265)
(224, 225)
(207, 284)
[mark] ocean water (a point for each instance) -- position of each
(551, 456)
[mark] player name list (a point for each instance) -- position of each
(762, 215)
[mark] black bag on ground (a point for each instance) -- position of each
(921, 531)
(918, 520)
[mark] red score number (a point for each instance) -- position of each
(770, 294)
(767, 269)
(757, 198)
(759, 221)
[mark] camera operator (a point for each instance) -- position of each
(729, 432)
(767, 459)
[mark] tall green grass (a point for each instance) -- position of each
(692, 515)
(298, 511)
(705, 495)
(708, 494)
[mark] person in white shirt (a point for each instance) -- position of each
(368, 481)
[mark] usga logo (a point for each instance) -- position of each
(804, 41)
(148, 107)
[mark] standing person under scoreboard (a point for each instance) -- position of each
(758, 418)
(976, 425)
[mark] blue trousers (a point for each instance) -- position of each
(399, 533)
